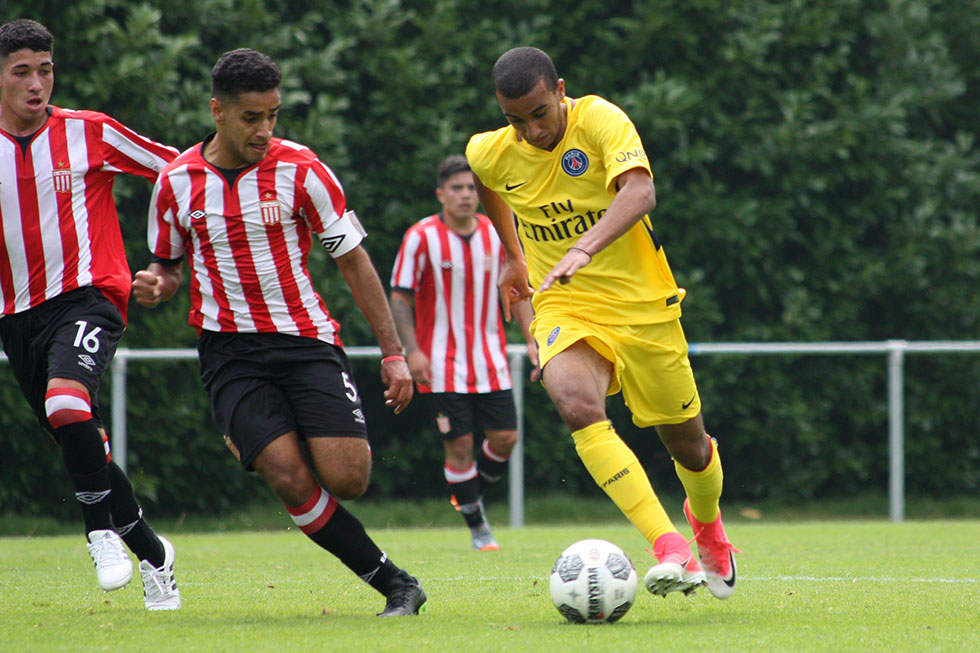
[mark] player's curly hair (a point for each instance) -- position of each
(25, 33)
(450, 166)
(243, 71)
(518, 71)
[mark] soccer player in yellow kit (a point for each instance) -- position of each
(574, 174)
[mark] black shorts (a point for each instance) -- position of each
(263, 385)
(73, 336)
(455, 414)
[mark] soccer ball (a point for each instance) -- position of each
(593, 582)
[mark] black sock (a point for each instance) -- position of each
(468, 499)
(84, 456)
(344, 536)
(127, 517)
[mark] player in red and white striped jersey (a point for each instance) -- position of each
(247, 243)
(244, 207)
(64, 286)
(455, 342)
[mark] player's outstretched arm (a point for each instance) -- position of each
(365, 286)
(635, 198)
(512, 281)
(157, 283)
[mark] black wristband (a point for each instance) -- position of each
(584, 251)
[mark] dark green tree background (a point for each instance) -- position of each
(818, 175)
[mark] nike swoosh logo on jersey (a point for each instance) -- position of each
(684, 406)
(514, 186)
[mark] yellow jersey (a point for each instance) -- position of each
(559, 195)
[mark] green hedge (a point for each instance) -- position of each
(818, 174)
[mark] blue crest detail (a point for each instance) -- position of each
(574, 162)
(553, 336)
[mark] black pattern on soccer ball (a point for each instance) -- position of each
(619, 566)
(569, 567)
(572, 614)
(620, 610)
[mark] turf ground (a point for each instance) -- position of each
(822, 586)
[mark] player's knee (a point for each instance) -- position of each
(292, 486)
(579, 409)
(691, 452)
(350, 485)
(502, 442)
(578, 415)
(459, 451)
(64, 406)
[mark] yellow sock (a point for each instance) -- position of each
(615, 468)
(704, 487)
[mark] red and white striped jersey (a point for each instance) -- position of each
(458, 323)
(247, 245)
(60, 227)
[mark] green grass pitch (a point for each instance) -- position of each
(821, 586)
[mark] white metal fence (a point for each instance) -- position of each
(893, 350)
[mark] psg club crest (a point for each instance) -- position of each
(61, 176)
(574, 162)
(270, 209)
(553, 335)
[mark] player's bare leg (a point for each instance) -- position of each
(463, 481)
(344, 465)
(577, 379)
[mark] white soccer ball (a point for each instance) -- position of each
(593, 582)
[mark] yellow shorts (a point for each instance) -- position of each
(650, 363)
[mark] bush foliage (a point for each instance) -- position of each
(818, 175)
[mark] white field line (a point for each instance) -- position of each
(860, 579)
(782, 579)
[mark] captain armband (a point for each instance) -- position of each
(343, 235)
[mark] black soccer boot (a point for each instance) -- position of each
(405, 596)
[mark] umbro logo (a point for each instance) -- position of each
(197, 215)
(514, 186)
(331, 243)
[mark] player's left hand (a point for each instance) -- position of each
(573, 260)
(398, 381)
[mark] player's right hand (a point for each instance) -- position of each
(398, 381)
(147, 288)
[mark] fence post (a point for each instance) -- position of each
(516, 467)
(896, 430)
(118, 425)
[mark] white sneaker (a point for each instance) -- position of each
(159, 587)
(112, 565)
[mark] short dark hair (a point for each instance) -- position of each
(242, 71)
(450, 166)
(519, 70)
(22, 34)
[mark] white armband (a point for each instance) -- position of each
(343, 235)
